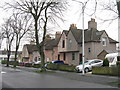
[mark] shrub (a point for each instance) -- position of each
(105, 62)
(118, 63)
(4, 62)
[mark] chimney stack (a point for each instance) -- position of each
(32, 42)
(73, 26)
(92, 24)
(57, 35)
(48, 37)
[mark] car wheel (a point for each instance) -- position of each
(86, 70)
(77, 70)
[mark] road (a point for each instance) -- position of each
(16, 78)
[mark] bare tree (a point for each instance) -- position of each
(40, 12)
(9, 35)
(20, 25)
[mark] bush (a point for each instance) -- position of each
(61, 67)
(118, 63)
(105, 62)
(113, 71)
(4, 62)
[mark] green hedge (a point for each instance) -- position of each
(113, 71)
(4, 62)
(13, 62)
(28, 64)
(61, 67)
(36, 65)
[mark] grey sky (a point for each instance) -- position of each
(72, 16)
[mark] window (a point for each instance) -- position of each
(104, 41)
(73, 56)
(63, 44)
(89, 50)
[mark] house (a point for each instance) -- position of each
(31, 54)
(70, 44)
(67, 46)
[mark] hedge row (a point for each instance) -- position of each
(61, 67)
(112, 71)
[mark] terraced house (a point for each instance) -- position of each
(67, 46)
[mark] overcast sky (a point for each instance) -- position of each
(73, 16)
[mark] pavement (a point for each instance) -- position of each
(87, 78)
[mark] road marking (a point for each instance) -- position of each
(3, 72)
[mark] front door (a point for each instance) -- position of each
(64, 56)
(80, 58)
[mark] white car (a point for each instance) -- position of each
(89, 64)
(38, 62)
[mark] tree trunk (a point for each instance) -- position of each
(40, 48)
(15, 62)
(8, 57)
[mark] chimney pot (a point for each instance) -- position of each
(73, 26)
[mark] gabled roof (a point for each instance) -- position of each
(66, 32)
(31, 48)
(92, 35)
(49, 44)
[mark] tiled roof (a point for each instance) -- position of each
(31, 48)
(66, 32)
(49, 44)
(92, 35)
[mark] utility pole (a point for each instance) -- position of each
(83, 39)
(118, 7)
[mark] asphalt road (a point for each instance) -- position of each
(16, 78)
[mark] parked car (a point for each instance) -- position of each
(88, 64)
(58, 62)
(55, 62)
(38, 62)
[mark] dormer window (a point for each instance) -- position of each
(104, 41)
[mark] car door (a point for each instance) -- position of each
(97, 63)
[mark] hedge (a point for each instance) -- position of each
(61, 67)
(112, 71)
(36, 66)
(3, 61)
